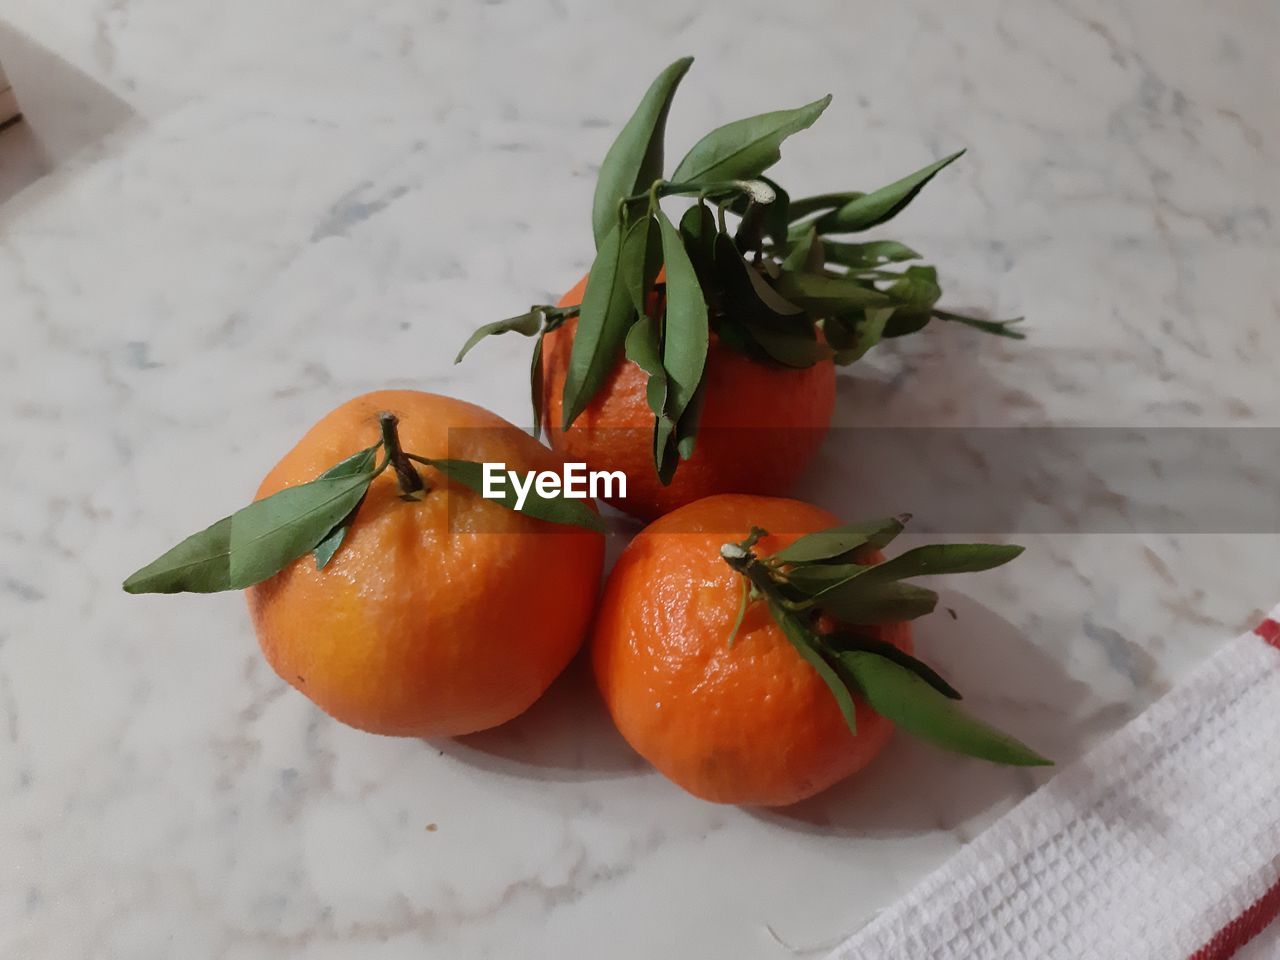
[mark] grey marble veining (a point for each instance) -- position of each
(315, 199)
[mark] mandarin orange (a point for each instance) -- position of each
(760, 424)
(438, 617)
(750, 723)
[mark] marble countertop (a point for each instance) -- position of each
(241, 214)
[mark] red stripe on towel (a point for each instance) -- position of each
(1269, 630)
(1263, 911)
(1249, 924)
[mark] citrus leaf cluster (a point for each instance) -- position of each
(825, 589)
(260, 540)
(774, 277)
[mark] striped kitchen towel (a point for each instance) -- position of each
(1162, 843)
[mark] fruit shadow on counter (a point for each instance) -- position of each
(913, 787)
(567, 734)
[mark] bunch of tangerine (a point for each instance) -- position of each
(753, 649)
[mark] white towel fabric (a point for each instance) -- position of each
(1162, 843)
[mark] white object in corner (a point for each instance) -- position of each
(1163, 842)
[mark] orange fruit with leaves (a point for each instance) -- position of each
(757, 652)
(698, 356)
(438, 612)
(760, 424)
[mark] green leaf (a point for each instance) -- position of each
(202, 562)
(666, 455)
(750, 232)
(685, 337)
(791, 348)
(847, 641)
(644, 348)
(804, 206)
(883, 204)
(939, 558)
(999, 328)
(777, 214)
(906, 321)
(898, 694)
(748, 296)
(762, 219)
(359, 462)
(839, 541)
(806, 645)
(271, 533)
(642, 244)
(527, 324)
(327, 547)
(743, 600)
(199, 564)
(745, 148)
(867, 331)
(687, 428)
(841, 330)
(798, 258)
(554, 509)
(872, 254)
(635, 159)
(916, 290)
(813, 578)
(606, 312)
(362, 461)
(698, 228)
(861, 601)
(830, 294)
(536, 387)
(916, 287)
(770, 327)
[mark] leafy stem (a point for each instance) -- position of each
(790, 288)
(755, 190)
(723, 226)
(410, 482)
(761, 576)
(258, 541)
(822, 595)
(537, 320)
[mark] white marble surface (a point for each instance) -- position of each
(307, 199)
